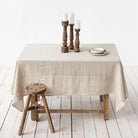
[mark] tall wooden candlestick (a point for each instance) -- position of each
(77, 41)
(71, 46)
(64, 48)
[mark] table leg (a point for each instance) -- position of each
(101, 98)
(34, 113)
(106, 106)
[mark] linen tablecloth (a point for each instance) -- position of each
(69, 73)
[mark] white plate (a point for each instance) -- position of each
(100, 54)
(97, 50)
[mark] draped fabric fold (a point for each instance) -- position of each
(70, 73)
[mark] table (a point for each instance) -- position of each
(70, 73)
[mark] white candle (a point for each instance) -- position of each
(65, 17)
(71, 18)
(77, 24)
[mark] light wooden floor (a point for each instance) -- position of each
(121, 124)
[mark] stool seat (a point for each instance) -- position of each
(36, 88)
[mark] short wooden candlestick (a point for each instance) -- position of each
(64, 48)
(71, 46)
(77, 41)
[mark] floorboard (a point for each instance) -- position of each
(122, 121)
(112, 124)
(100, 124)
(88, 119)
(65, 127)
(77, 118)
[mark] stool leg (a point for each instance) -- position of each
(48, 113)
(106, 106)
(34, 114)
(36, 111)
(24, 114)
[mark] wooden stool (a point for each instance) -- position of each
(35, 89)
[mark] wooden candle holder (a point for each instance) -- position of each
(77, 41)
(64, 48)
(71, 46)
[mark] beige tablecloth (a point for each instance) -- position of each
(70, 73)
